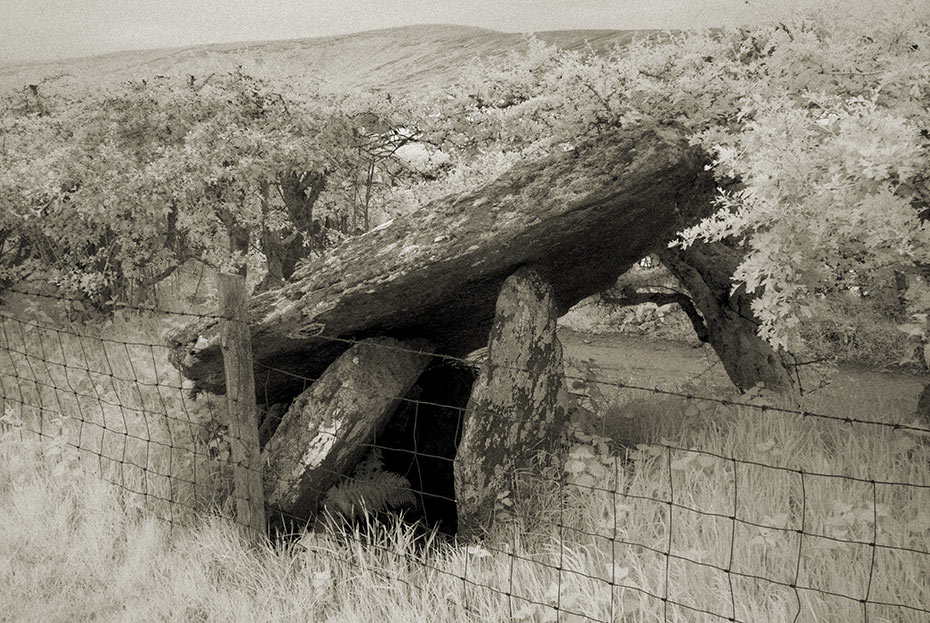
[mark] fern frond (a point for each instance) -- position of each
(371, 493)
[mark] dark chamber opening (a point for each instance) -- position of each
(421, 438)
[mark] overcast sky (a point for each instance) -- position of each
(54, 29)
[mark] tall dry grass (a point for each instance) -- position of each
(588, 536)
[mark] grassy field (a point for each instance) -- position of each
(660, 509)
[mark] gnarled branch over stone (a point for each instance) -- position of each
(630, 296)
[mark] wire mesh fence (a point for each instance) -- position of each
(657, 505)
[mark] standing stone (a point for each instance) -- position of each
(517, 405)
(330, 426)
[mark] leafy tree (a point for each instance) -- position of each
(820, 138)
(108, 192)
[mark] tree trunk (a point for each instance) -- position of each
(282, 252)
(705, 271)
(923, 407)
(901, 284)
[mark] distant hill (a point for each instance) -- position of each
(408, 57)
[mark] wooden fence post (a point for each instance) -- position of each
(245, 454)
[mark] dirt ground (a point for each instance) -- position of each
(853, 391)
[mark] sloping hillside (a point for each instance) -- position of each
(406, 57)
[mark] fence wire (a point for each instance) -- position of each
(666, 525)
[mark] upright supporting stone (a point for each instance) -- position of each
(517, 405)
(328, 429)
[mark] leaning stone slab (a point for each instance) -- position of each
(518, 403)
(326, 431)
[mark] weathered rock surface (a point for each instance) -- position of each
(331, 425)
(518, 404)
(579, 217)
